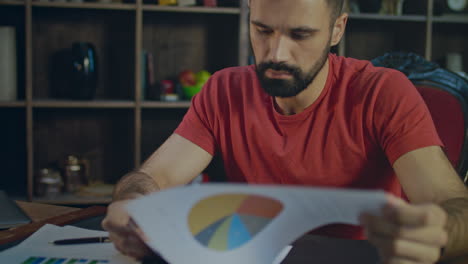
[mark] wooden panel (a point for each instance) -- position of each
(138, 84)
(82, 104)
(181, 104)
(193, 9)
(450, 38)
(366, 40)
(190, 41)
(368, 16)
(111, 32)
(13, 151)
(18, 104)
(11, 3)
(14, 16)
(157, 126)
(104, 137)
(112, 6)
(21, 232)
(73, 199)
(452, 18)
(39, 212)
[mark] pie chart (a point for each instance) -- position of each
(227, 221)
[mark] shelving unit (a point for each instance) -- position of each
(120, 128)
(53, 128)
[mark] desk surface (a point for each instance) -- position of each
(38, 212)
(308, 249)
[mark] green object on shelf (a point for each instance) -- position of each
(190, 91)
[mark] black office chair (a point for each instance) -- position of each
(446, 95)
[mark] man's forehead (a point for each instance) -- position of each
(289, 13)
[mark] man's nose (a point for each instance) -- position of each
(280, 49)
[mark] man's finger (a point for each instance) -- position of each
(137, 230)
(136, 248)
(432, 235)
(112, 226)
(403, 213)
(398, 248)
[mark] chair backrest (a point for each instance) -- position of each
(446, 95)
(449, 113)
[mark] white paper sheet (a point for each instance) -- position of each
(167, 218)
(38, 245)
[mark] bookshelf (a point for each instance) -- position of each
(119, 128)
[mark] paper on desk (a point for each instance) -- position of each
(37, 245)
(236, 223)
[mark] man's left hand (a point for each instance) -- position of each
(407, 234)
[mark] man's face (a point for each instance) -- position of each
(291, 41)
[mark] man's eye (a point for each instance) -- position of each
(264, 31)
(300, 36)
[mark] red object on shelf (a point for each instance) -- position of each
(168, 87)
(210, 3)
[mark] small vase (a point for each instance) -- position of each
(84, 77)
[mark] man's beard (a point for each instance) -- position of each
(288, 88)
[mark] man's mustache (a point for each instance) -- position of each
(278, 67)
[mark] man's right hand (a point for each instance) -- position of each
(123, 232)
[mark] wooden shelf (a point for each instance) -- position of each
(463, 19)
(86, 5)
(159, 104)
(82, 104)
(13, 104)
(194, 9)
(11, 3)
(407, 18)
(70, 199)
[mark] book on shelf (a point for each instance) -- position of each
(8, 70)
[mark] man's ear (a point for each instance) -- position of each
(338, 29)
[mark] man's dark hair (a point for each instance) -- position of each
(336, 7)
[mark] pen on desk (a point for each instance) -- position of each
(84, 240)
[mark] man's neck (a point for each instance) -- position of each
(296, 104)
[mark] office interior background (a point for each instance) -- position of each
(89, 89)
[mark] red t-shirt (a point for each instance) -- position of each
(365, 118)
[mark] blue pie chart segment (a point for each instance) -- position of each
(238, 233)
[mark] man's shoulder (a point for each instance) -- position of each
(362, 77)
(362, 70)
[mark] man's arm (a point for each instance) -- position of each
(436, 218)
(176, 162)
(427, 176)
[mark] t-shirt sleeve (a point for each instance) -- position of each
(197, 124)
(402, 120)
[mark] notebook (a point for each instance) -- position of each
(10, 213)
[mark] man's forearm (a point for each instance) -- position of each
(457, 227)
(134, 184)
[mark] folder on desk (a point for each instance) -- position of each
(10, 213)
